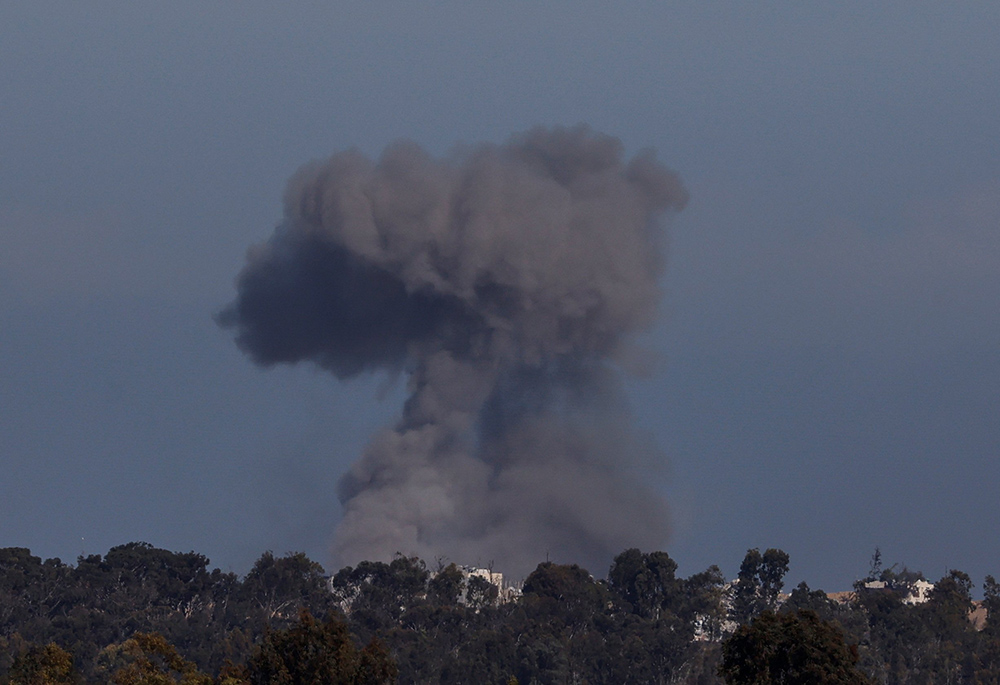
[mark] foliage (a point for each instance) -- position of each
(44, 665)
(278, 586)
(377, 594)
(646, 582)
(145, 615)
(843, 615)
(315, 653)
(792, 648)
(481, 593)
(758, 584)
(148, 659)
(446, 587)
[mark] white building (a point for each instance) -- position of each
(506, 592)
(920, 592)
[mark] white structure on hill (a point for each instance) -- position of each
(919, 592)
(506, 592)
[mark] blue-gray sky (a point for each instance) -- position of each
(828, 371)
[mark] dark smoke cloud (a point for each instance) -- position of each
(506, 281)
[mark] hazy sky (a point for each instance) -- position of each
(828, 359)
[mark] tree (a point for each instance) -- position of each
(646, 582)
(988, 654)
(875, 566)
(555, 621)
(279, 586)
(758, 584)
(792, 649)
(565, 592)
(703, 602)
(446, 586)
(946, 617)
(314, 653)
(148, 659)
(851, 621)
(481, 593)
(29, 589)
(949, 605)
(662, 614)
(991, 600)
(44, 665)
(378, 594)
(894, 634)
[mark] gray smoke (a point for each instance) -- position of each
(506, 281)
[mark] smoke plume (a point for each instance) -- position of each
(505, 281)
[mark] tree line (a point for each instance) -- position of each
(143, 615)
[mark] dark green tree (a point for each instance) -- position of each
(30, 591)
(991, 600)
(315, 653)
(952, 637)
(791, 649)
(898, 644)
(664, 614)
(949, 604)
(377, 594)
(646, 582)
(760, 580)
(481, 593)
(554, 622)
(446, 586)
(279, 586)
(567, 593)
(988, 649)
(844, 615)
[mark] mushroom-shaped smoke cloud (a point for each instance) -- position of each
(506, 281)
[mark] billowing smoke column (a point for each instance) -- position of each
(505, 281)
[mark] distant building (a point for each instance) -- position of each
(913, 593)
(919, 593)
(506, 592)
(978, 615)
